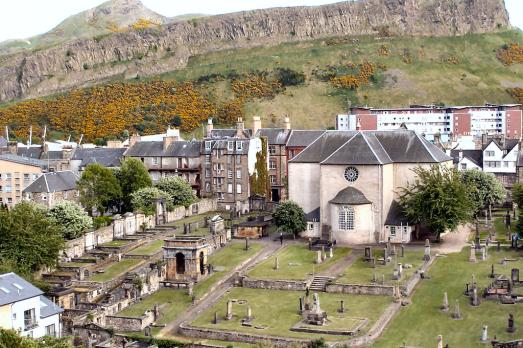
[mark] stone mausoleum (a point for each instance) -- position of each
(348, 183)
(186, 258)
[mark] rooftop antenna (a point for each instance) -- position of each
(69, 139)
(80, 141)
(30, 142)
(7, 133)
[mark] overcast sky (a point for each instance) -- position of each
(25, 18)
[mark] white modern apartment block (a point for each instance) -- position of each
(23, 308)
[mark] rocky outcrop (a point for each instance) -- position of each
(152, 51)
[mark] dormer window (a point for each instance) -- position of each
(239, 146)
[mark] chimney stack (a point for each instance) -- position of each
(67, 152)
(12, 146)
(287, 123)
(240, 127)
(114, 144)
(209, 128)
(134, 139)
(168, 140)
(256, 124)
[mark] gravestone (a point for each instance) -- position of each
(472, 257)
(477, 240)
(147, 331)
(402, 250)
(492, 274)
(316, 316)
(301, 305)
(249, 314)
(499, 245)
(484, 334)
(228, 316)
(511, 325)
(323, 255)
(276, 263)
(474, 300)
(514, 275)
(445, 305)
(440, 341)
(456, 315)
(215, 321)
(385, 255)
(331, 255)
(400, 269)
(342, 307)
(318, 256)
(393, 250)
(368, 253)
(247, 243)
(190, 289)
(310, 243)
(426, 255)
(483, 254)
(382, 279)
(374, 280)
(373, 262)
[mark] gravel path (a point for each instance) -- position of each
(454, 242)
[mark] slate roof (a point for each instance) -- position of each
(508, 144)
(303, 138)
(31, 152)
(275, 136)
(155, 149)
(396, 216)
(475, 156)
(229, 133)
(14, 288)
(313, 215)
(23, 160)
(48, 308)
(54, 182)
(107, 157)
(350, 195)
(371, 147)
(52, 155)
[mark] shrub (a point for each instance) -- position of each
(288, 77)
(510, 54)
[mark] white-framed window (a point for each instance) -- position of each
(238, 188)
(229, 174)
(207, 187)
(346, 218)
(27, 177)
(311, 226)
(230, 146)
(463, 166)
(238, 174)
(272, 179)
(238, 160)
(272, 164)
(156, 160)
(229, 188)
(208, 145)
(7, 176)
(272, 149)
(8, 188)
(50, 330)
(392, 230)
(207, 173)
(207, 159)
(490, 153)
(239, 146)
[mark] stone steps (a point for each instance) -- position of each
(319, 283)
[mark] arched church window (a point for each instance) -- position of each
(346, 218)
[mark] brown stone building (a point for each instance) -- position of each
(54, 187)
(186, 258)
(170, 157)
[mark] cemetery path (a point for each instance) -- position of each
(170, 329)
(340, 266)
(454, 242)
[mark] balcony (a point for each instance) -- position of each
(30, 324)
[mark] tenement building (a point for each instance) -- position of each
(16, 173)
(348, 183)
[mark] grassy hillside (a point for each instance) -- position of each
(450, 70)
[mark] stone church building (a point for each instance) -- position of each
(348, 182)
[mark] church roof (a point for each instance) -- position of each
(350, 195)
(396, 216)
(371, 147)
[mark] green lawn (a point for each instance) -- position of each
(296, 262)
(115, 243)
(360, 271)
(194, 218)
(148, 249)
(418, 324)
(172, 303)
(279, 311)
(226, 258)
(114, 270)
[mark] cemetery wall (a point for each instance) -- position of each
(129, 323)
(357, 289)
(231, 336)
(295, 285)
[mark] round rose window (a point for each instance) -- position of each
(351, 174)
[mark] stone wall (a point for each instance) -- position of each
(295, 285)
(357, 289)
(231, 336)
(129, 323)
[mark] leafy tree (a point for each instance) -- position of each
(11, 339)
(484, 189)
(98, 188)
(176, 121)
(71, 218)
(29, 238)
(179, 189)
(133, 176)
(517, 194)
(144, 200)
(290, 218)
(438, 199)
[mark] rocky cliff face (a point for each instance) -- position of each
(152, 51)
